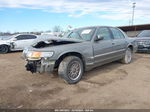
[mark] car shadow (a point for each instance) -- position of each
(11, 52)
(15, 51)
(102, 69)
(106, 68)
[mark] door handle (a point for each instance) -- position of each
(113, 43)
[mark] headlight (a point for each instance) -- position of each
(39, 55)
(147, 42)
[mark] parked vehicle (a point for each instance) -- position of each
(143, 40)
(16, 42)
(78, 51)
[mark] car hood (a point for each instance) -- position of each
(54, 41)
(4, 42)
(143, 38)
(57, 45)
(65, 39)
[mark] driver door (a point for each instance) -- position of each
(103, 48)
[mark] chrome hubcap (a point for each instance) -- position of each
(74, 70)
(128, 56)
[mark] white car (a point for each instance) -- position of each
(16, 42)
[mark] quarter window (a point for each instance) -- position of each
(105, 33)
(117, 33)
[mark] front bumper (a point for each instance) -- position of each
(142, 48)
(40, 66)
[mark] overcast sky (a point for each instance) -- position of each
(37, 15)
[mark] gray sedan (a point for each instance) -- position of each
(143, 40)
(78, 51)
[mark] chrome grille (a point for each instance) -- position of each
(143, 42)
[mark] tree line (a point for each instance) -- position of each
(56, 28)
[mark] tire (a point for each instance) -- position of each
(4, 49)
(128, 56)
(71, 69)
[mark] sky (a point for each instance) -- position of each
(43, 15)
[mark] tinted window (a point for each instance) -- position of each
(105, 33)
(21, 37)
(117, 33)
(31, 37)
(145, 33)
(24, 37)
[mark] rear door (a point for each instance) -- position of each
(119, 42)
(23, 41)
(103, 48)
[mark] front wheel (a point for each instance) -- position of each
(128, 56)
(71, 69)
(4, 49)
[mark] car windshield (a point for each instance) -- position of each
(81, 34)
(145, 33)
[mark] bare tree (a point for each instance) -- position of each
(57, 29)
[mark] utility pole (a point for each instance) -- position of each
(133, 12)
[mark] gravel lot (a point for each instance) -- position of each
(113, 85)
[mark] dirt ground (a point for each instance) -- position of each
(113, 85)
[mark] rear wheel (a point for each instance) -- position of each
(128, 56)
(71, 69)
(4, 49)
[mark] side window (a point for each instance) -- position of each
(21, 37)
(105, 33)
(31, 36)
(117, 33)
(24, 37)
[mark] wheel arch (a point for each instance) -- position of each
(131, 47)
(5, 45)
(58, 61)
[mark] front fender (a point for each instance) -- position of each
(132, 42)
(134, 45)
(5, 43)
(85, 49)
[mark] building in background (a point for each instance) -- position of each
(133, 30)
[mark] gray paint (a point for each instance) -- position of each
(94, 52)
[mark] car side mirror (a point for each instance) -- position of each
(98, 38)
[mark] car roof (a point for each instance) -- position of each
(15, 35)
(94, 27)
(145, 30)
